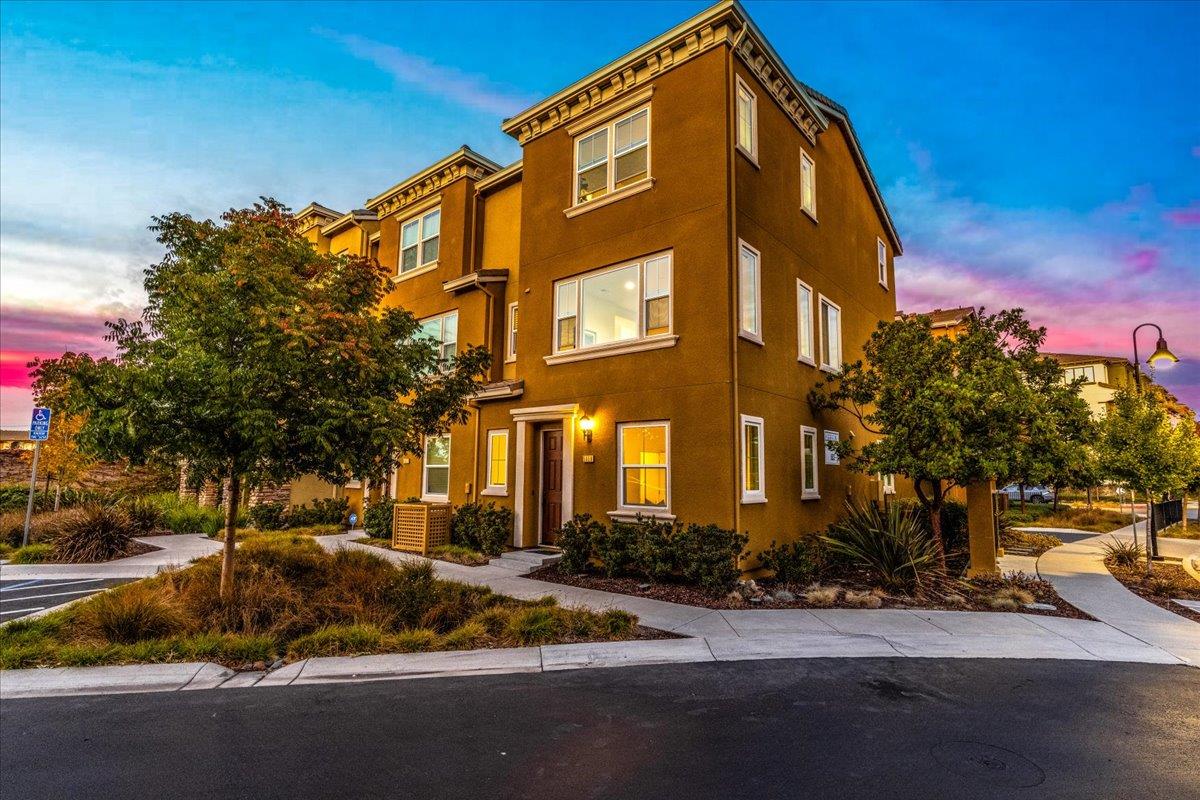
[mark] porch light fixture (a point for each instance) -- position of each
(587, 425)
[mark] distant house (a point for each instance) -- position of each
(945, 321)
(1102, 376)
(15, 439)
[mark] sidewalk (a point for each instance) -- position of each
(175, 551)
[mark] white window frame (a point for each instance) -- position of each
(630, 508)
(611, 160)
(881, 258)
(805, 332)
(811, 207)
(578, 280)
(822, 300)
(887, 481)
(441, 340)
(426, 495)
(422, 241)
(511, 338)
(759, 495)
(807, 493)
(496, 489)
(832, 459)
(750, 152)
(743, 331)
(1071, 374)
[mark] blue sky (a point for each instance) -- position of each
(1043, 155)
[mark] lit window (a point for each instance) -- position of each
(804, 321)
(612, 157)
(443, 332)
(512, 331)
(888, 482)
(831, 336)
(881, 261)
(808, 463)
(615, 304)
(831, 442)
(753, 483)
(419, 240)
(749, 292)
(435, 483)
(747, 120)
(497, 460)
(1075, 373)
(645, 469)
(808, 184)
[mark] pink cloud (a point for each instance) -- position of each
(1184, 217)
(1143, 261)
(29, 332)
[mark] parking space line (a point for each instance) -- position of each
(56, 584)
(23, 610)
(20, 585)
(40, 596)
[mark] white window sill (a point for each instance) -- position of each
(629, 515)
(614, 349)
(829, 369)
(810, 495)
(811, 214)
(750, 337)
(749, 500)
(753, 159)
(414, 272)
(510, 360)
(434, 498)
(611, 197)
(884, 285)
(806, 360)
(494, 491)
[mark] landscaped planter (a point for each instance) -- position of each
(420, 527)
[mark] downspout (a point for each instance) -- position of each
(731, 184)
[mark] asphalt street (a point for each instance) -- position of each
(820, 728)
(19, 598)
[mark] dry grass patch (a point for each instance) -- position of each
(1097, 520)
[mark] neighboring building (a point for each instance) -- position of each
(945, 321)
(1103, 375)
(16, 439)
(692, 240)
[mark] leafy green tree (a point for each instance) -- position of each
(259, 359)
(61, 458)
(953, 410)
(1140, 449)
(1054, 445)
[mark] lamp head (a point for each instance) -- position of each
(587, 425)
(1162, 355)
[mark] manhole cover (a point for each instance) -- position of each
(988, 762)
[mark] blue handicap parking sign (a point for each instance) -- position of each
(39, 425)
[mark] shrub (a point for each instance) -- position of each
(795, 562)
(618, 623)
(32, 554)
(377, 520)
(575, 538)
(144, 513)
(186, 516)
(532, 626)
(708, 556)
(337, 640)
(617, 548)
(483, 528)
(465, 637)
(42, 527)
(1010, 598)
(97, 533)
(955, 536)
(655, 549)
(325, 511)
(894, 544)
(14, 497)
(1124, 553)
(268, 516)
(457, 554)
(132, 613)
(412, 641)
(857, 599)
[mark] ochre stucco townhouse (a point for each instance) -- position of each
(690, 242)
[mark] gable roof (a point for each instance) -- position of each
(1075, 359)
(942, 317)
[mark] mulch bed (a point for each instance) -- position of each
(846, 579)
(1166, 581)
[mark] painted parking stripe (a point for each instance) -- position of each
(23, 610)
(40, 596)
(20, 586)
(56, 584)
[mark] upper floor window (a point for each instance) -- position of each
(831, 335)
(615, 304)
(644, 466)
(419, 238)
(804, 321)
(881, 262)
(512, 332)
(612, 157)
(435, 469)
(808, 184)
(747, 120)
(1075, 373)
(749, 292)
(754, 488)
(442, 330)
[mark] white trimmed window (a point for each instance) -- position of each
(754, 489)
(831, 442)
(808, 463)
(435, 466)
(747, 120)
(419, 241)
(881, 262)
(615, 304)
(808, 184)
(888, 482)
(830, 315)
(1073, 374)
(497, 463)
(644, 466)
(804, 322)
(442, 330)
(613, 156)
(749, 292)
(512, 332)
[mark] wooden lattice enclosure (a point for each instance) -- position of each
(420, 527)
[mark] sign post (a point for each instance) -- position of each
(39, 431)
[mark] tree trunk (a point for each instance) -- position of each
(58, 495)
(1054, 507)
(1185, 514)
(231, 515)
(1021, 489)
(1089, 498)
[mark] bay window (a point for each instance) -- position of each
(831, 335)
(435, 469)
(419, 241)
(644, 466)
(612, 157)
(615, 304)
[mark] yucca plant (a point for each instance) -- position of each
(1123, 553)
(894, 544)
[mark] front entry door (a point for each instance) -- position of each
(552, 483)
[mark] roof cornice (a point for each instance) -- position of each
(724, 24)
(348, 219)
(462, 163)
(314, 215)
(509, 174)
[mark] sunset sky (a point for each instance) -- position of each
(1037, 155)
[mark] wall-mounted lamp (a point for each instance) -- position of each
(587, 425)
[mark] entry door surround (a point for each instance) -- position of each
(523, 511)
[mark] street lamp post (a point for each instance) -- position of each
(1161, 354)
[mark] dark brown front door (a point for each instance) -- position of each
(552, 480)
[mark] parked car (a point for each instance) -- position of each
(1033, 494)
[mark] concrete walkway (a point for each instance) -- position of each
(1079, 576)
(174, 551)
